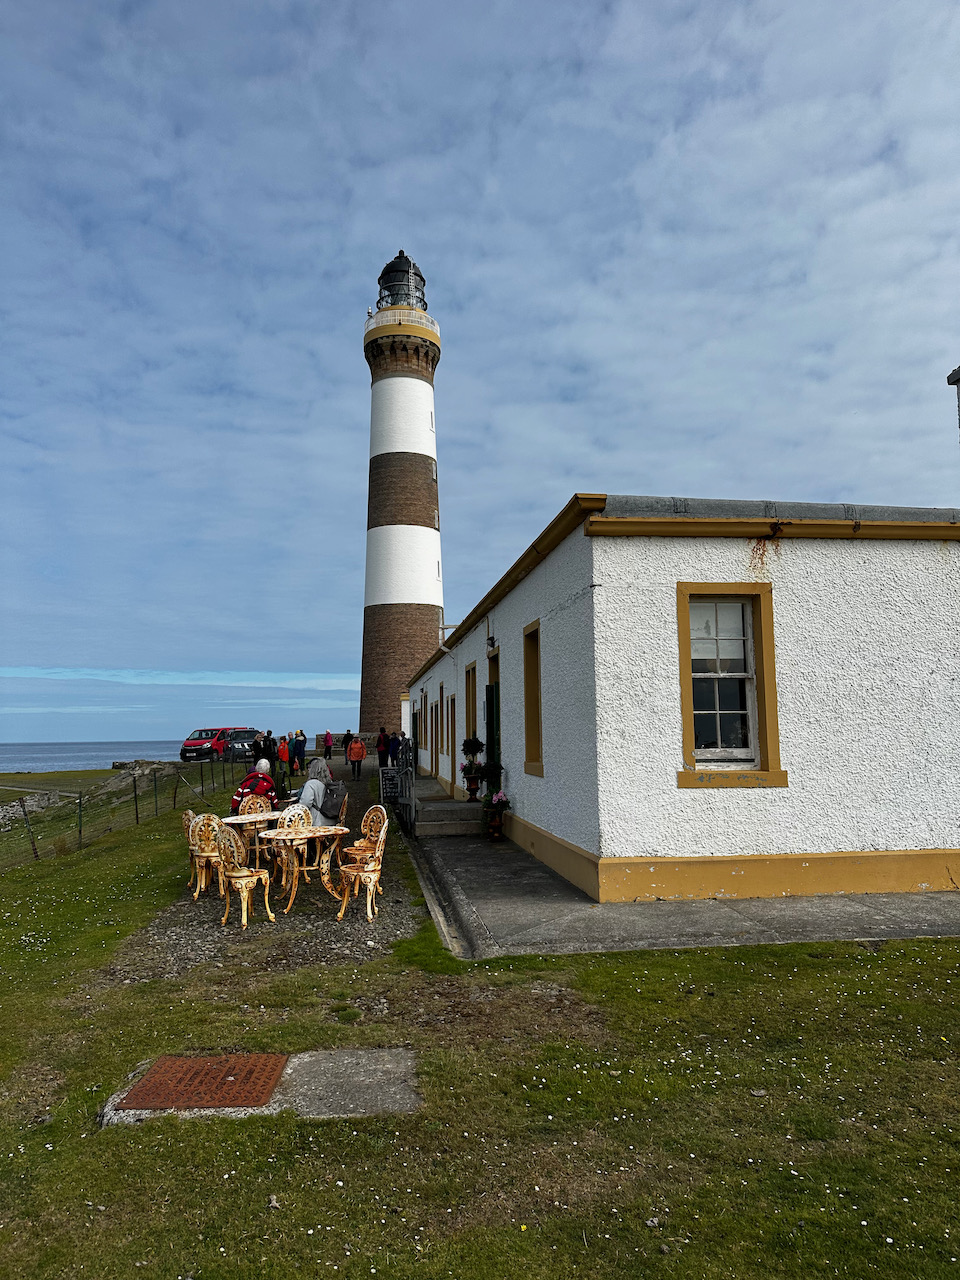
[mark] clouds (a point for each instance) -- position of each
(693, 249)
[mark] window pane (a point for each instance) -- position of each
(732, 655)
(733, 694)
(704, 655)
(703, 620)
(730, 620)
(733, 731)
(705, 695)
(705, 732)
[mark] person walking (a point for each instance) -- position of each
(394, 749)
(383, 748)
(345, 744)
(356, 754)
(283, 760)
(328, 745)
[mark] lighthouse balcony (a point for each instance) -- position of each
(401, 316)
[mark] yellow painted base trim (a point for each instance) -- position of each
(775, 875)
(732, 778)
(568, 860)
(534, 767)
(452, 790)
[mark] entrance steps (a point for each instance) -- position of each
(440, 815)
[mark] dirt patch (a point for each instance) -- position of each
(462, 1014)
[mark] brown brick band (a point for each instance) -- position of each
(397, 640)
(397, 354)
(403, 490)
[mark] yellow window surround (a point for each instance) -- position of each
(769, 773)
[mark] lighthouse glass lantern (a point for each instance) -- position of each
(401, 284)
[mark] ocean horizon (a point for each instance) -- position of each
(53, 757)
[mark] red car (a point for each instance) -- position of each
(206, 744)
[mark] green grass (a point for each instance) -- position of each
(779, 1111)
(13, 785)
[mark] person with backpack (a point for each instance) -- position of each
(345, 744)
(314, 790)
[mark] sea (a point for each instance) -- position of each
(52, 757)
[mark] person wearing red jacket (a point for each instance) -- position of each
(257, 783)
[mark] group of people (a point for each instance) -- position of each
(355, 752)
(286, 756)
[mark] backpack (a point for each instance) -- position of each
(332, 800)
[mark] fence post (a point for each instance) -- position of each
(136, 806)
(156, 800)
(79, 819)
(223, 772)
(26, 819)
(202, 792)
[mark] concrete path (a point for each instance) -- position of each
(495, 899)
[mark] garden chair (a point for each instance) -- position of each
(187, 818)
(205, 845)
(362, 862)
(254, 804)
(285, 855)
(237, 875)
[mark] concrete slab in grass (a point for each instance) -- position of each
(322, 1084)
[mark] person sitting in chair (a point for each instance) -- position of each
(314, 789)
(257, 783)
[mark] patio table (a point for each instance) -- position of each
(298, 838)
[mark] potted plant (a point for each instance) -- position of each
(495, 805)
(472, 769)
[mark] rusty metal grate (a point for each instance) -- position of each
(228, 1080)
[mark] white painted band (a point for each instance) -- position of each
(403, 565)
(401, 417)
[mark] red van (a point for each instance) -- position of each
(206, 744)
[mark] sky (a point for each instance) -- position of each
(703, 249)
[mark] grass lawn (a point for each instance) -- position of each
(70, 781)
(755, 1112)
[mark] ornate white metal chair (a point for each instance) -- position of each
(237, 875)
(187, 818)
(204, 840)
(362, 862)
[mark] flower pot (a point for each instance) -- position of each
(473, 786)
(495, 827)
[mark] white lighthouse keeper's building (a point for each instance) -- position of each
(697, 698)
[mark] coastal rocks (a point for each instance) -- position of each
(39, 800)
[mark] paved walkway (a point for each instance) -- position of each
(495, 899)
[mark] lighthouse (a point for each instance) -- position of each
(403, 590)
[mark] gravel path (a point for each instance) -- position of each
(188, 933)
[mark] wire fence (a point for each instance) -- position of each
(72, 820)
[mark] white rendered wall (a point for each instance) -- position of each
(558, 592)
(403, 565)
(401, 417)
(868, 698)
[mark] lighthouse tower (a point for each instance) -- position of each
(403, 595)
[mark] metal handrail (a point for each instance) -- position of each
(401, 315)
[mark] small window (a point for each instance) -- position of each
(728, 692)
(532, 715)
(724, 697)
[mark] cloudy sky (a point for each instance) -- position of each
(675, 247)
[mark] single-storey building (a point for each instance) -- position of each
(698, 698)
